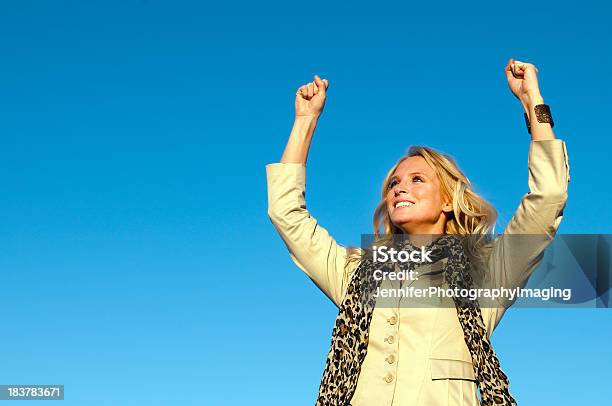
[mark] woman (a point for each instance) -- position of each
(408, 355)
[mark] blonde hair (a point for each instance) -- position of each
(472, 215)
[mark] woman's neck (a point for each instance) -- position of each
(419, 240)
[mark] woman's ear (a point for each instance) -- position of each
(447, 206)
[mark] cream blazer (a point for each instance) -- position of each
(416, 355)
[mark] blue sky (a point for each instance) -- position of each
(138, 263)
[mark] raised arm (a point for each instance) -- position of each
(523, 82)
(309, 103)
(540, 211)
(310, 246)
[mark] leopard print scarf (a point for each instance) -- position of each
(351, 331)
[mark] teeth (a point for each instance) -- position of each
(404, 204)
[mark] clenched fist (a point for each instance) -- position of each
(523, 80)
(310, 98)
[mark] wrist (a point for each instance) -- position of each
(538, 119)
(304, 126)
(532, 100)
(306, 118)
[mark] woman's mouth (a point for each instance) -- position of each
(403, 204)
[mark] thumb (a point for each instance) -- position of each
(321, 84)
(509, 74)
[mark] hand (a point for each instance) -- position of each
(310, 98)
(523, 81)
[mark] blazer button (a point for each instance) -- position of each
(390, 339)
(392, 320)
(388, 378)
(391, 359)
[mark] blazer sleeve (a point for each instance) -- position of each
(537, 218)
(310, 246)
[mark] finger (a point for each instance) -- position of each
(517, 70)
(521, 67)
(317, 80)
(320, 85)
(508, 67)
(302, 91)
(315, 88)
(528, 67)
(509, 73)
(310, 89)
(326, 83)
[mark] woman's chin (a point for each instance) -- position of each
(402, 221)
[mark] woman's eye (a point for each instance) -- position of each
(394, 181)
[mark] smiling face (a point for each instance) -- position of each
(414, 198)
